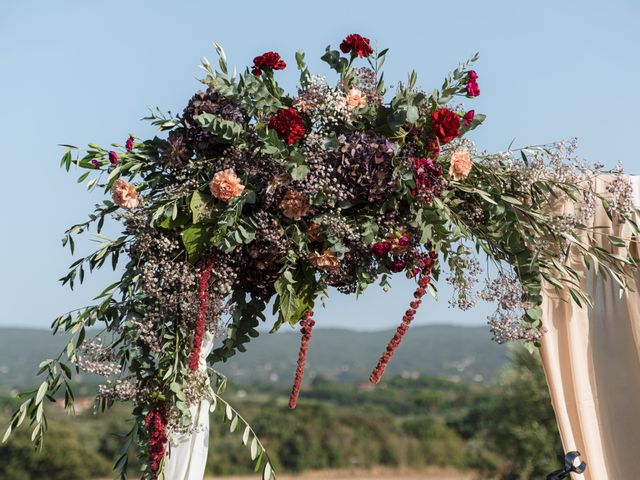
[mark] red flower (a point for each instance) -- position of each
(129, 144)
(473, 90)
(288, 124)
(203, 300)
(113, 157)
(307, 324)
(268, 60)
(381, 249)
(472, 75)
(468, 117)
(407, 318)
(403, 241)
(357, 45)
(446, 124)
(397, 266)
(155, 423)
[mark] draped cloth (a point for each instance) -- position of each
(187, 457)
(591, 358)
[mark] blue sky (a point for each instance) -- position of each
(78, 72)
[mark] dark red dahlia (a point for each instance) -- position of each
(446, 124)
(267, 61)
(381, 249)
(288, 124)
(357, 45)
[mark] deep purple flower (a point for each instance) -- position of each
(364, 161)
(113, 157)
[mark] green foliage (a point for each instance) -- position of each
(66, 457)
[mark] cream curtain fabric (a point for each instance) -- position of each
(188, 453)
(591, 359)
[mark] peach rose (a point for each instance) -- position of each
(124, 194)
(226, 185)
(460, 164)
(294, 205)
(355, 99)
(314, 232)
(326, 260)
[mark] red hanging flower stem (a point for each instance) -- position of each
(408, 317)
(307, 324)
(155, 422)
(203, 301)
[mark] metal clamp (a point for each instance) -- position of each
(569, 467)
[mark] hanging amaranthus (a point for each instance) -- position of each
(156, 424)
(203, 300)
(307, 327)
(409, 315)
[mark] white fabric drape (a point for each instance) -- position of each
(188, 453)
(591, 359)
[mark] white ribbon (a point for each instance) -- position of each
(188, 453)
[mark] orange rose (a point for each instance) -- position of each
(460, 164)
(226, 185)
(314, 232)
(124, 194)
(326, 260)
(294, 205)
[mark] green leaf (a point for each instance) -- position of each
(266, 473)
(195, 238)
(224, 130)
(201, 206)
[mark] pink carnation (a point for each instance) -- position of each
(124, 194)
(225, 185)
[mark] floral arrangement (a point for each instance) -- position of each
(252, 195)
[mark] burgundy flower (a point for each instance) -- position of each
(155, 423)
(288, 124)
(403, 241)
(357, 45)
(95, 163)
(113, 157)
(468, 117)
(203, 300)
(381, 249)
(428, 177)
(307, 324)
(473, 90)
(129, 144)
(267, 61)
(407, 318)
(397, 266)
(472, 75)
(446, 124)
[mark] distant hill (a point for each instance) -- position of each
(460, 353)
